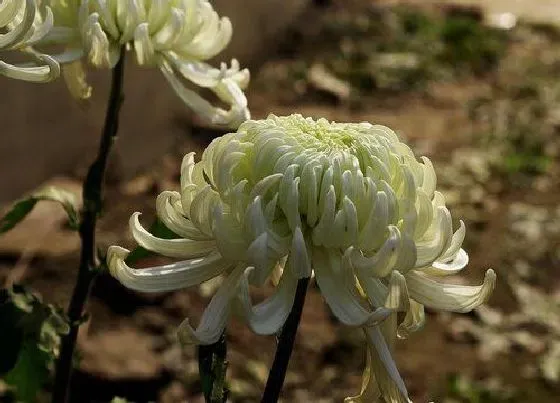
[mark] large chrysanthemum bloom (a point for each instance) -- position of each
(287, 197)
(177, 36)
(22, 24)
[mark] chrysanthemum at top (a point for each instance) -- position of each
(288, 197)
(22, 24)
(177, 36)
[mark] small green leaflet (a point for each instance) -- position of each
(22, 208)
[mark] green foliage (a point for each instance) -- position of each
(529, 163)
(467, 391)
(22, 208)
(469, 45)
(403, 48)
(18, 212)
(518, 124)
(29, 341)
(30, 372)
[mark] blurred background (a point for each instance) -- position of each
(473, 85)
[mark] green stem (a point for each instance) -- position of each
(92, 196)
(212, 366)
(286, 341)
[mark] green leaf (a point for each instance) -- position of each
(157, 229)
(18, 212)
(11, 335)
(30, 372)
(22, 208)
(29, 340)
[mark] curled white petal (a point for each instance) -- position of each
(449, 297)
(268, 316)
(455, 245)
(169, 212)
(22, 24)
(342, 297)
(413, 321)
(454, 266)
(215, 315)
(167, 277)
(231, 118)
(181, 248)
(176, 36)
(383, 261)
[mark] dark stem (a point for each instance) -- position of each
(212, 366)
(286, 341)
(92, 196)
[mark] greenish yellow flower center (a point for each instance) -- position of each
(321, 134)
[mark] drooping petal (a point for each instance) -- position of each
(268, 316)
(259, 256)
(449, 297)
(389, 380)
(300, 262)
(215, 316)
(75, 77)
(167, 277)
(397, 295)
(369, 391)
(237, 113)
(383, 261)
(145, 52)
(413, 321)
(375, 290)
(179, 248)
(229, 235)
(342, 299)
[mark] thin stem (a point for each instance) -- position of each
(286, 341)
(92, 196)
(212, 366)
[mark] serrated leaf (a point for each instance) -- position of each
(157, 229)
(22, 208)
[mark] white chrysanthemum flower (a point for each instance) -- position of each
(177, 36)
(286, 197)
(22, 24)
